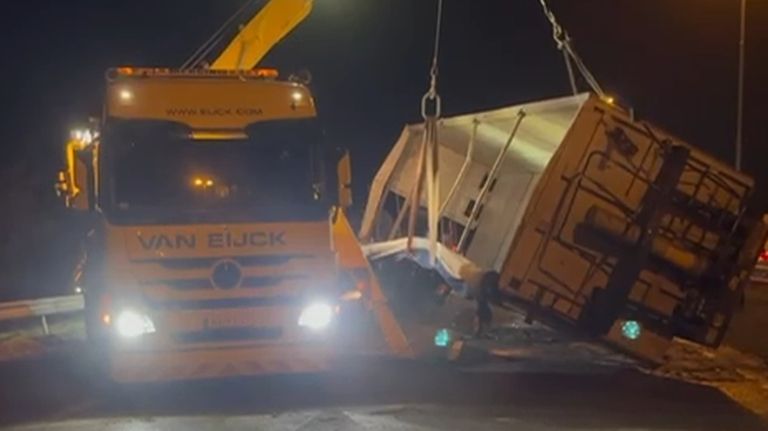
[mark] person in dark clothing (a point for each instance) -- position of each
(486, 294)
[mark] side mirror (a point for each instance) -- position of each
(72, 184)
(344, 174)
(61, 186)
(81, 200)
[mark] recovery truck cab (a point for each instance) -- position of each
(216, 245)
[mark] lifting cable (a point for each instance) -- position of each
(563, 42)
(199, 55)
(432, 94)
(427, 168)
(464, 167)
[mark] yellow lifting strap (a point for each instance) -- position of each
(263, 32)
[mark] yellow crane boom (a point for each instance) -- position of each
(263, 32)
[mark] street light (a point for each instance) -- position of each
(740, 102)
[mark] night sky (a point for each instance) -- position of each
(674, 61)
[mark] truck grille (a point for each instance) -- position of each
(230, 334)
(218, 303)
(248, 282)
(206, 262)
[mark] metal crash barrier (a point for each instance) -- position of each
(41, 308)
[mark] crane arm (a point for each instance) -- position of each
(265, 30)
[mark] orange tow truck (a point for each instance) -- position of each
(220, 244)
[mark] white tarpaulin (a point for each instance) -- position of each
(461, 274)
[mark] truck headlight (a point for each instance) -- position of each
(132, 324)
(316, 316)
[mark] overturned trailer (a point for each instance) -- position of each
(590, 216)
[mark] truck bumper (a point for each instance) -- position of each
(143, 366)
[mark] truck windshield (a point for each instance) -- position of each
(156, 173)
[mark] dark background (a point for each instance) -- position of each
(674, 61)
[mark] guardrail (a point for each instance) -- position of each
(41, 308)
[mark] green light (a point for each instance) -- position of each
(443, 337)
(631, 329)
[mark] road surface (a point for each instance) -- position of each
(748, 328)
(58, 392)
(557, 384)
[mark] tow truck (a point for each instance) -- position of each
(220, 244)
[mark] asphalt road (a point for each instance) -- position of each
(59, 392)
(748, 327)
